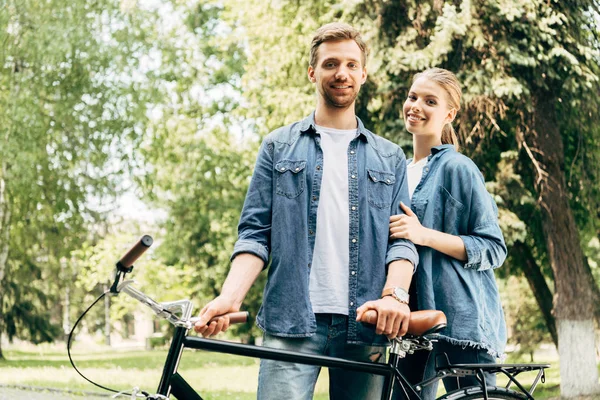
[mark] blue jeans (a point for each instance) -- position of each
(421, 365)
(281, 380)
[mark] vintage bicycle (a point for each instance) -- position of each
(422, 328)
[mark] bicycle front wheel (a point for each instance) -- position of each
(476, 393)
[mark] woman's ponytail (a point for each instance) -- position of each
(449, 136)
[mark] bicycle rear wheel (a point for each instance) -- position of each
(476, 393)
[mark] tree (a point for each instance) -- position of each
(525, 322)
(526, 63)
(200, 139)
(530, 71)
(73, 101)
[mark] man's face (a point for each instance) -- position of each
(338, 73)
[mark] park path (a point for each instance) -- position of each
(24, 393)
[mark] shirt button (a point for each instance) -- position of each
(310, 232)
(353, 272)
(353, 240)
(282, 169)
(374, 179)
(351, 151)
(351, 303)
(353, 176)
(314, 197)
(353, 208)
(318, 167)
(297, 169)
(387, 180)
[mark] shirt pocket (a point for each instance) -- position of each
(449, 216)
(290, 178)
(380, 188)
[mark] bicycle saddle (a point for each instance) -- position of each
(421, 323)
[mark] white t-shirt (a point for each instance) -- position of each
(328, 285)
(414, 172)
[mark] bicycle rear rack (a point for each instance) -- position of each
(508, 370)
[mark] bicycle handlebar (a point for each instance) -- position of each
(135, 252)
(170, 310)
(239, 317)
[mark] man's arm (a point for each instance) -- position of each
(245, 268)
(401, 259)
(392, 315)
(401, 249)
(251, 251)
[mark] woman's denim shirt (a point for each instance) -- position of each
(279, 221)
(451, 197)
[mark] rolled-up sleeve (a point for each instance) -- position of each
(401, 249)
(485, 248)
(484, 242)
(254, 229)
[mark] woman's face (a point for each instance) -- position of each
(426, 108)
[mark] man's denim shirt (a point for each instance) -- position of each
(451, 197)
(279, 220)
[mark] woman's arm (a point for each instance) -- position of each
(482, 245)
(407, 226)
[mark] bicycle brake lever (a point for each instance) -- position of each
(124, 284)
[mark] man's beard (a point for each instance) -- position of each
(339, 102)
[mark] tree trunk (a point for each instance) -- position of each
(573, 295)
(4, 223)
(538, 285)
(4, 241)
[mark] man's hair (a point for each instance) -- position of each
(333, 32)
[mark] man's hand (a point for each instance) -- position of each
(219, 306)
(407, 226)
(392, 316)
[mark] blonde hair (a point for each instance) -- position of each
(448, 81)
(336, 31)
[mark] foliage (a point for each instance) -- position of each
(84, 85)
(526, 325)
(201, 141)
(73, 94)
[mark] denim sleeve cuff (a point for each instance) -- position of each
(403, 250)
(252, 247)
(473, 252)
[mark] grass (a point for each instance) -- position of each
(214, 375)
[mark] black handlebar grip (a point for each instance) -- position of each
(135, 252)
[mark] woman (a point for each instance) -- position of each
(454, 222)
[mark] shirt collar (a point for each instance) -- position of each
(441, 148)
(308, 124)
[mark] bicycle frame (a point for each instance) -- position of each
(179, 314)
(173, 383)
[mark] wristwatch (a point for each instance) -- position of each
(396, 292)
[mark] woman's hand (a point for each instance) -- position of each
(407, 226)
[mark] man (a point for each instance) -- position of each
(319, 204)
